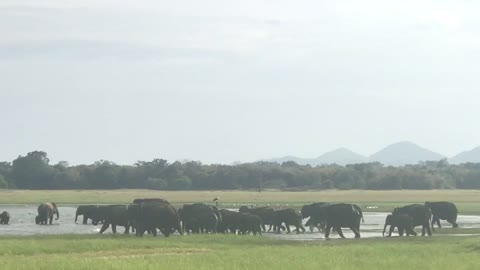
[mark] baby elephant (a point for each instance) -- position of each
(4, 218)
(402, 221)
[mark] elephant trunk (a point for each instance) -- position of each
(58, 214)
(384, 228)
(76, 217)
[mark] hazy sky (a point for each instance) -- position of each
(223, 81)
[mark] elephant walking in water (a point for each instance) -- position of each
(403, 222)
(46, 212)
(4, 218)
(443, 210)
(420, 214)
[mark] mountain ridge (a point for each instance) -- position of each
(395, 154)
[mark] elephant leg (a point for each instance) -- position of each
(340, 232)
(390, 231)
(453, 222)
(287, 225)
(85, 219)
(438, 223)
(429, 231)
(127, 230)
(114, 228)
(104, 227)
(50, 220)
(327, 231)
(400, 230)
(265, 229)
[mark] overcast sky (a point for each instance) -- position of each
(223, 81)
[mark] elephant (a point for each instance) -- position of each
(46, 212)
(265, 213)
(249, 223)
(230, 221)
(199, 217)
(153, 215)
(244, 223)
(4, 218)
(420, 214)
(402, 221)
(338, 216)
(288, 216)
(87, 211)
(114, 215)
(443, 210)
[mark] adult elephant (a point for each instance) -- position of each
(200, 218)
(150, 216)
(288, 216)
(420, 214)
(338, 216)
(249, 223)
(112, 215)
(401, 221)
(4, 218)
(265, 213)
(445, 211)
(230, 221)
(46, 212)
(87, 211)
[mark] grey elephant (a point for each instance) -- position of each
(288, 216)
(87, 211)
(445, 211)
(150, 216)
(420, 214)
(114, 215)
(200, 218)
(46, 212)
(401, 221)
(265, 213)
(4, 218)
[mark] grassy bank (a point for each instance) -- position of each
(236, 252)
(468, 201)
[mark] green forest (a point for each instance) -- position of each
(34, 171)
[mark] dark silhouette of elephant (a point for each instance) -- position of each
(148, 216)
(445, 211)
(87, 211)
(265, 213)
(402, 222)
(112, 215)
(4, 218)
(250, 223)
(289, 217)
(230, 221)
(420, 214)
(200, 218)
(338, 216)
(46, 212)
(243, 223)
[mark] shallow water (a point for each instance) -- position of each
(22, 222)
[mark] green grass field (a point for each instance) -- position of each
(236, 252)
(467, 201)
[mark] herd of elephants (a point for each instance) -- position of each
(148, 215)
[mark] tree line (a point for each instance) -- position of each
(34, 171)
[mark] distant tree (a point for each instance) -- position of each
(32, 171)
